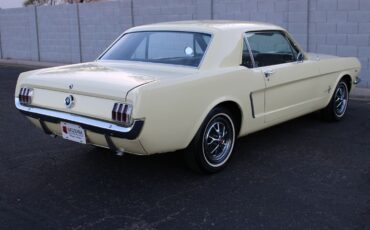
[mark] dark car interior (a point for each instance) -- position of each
(266, 57)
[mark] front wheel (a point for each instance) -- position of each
(337, 107)
(212, 146)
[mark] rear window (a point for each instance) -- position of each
(177, 48)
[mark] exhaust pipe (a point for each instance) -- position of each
(113, 147)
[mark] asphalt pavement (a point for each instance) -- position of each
(303, 174)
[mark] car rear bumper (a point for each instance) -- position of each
(107, 129)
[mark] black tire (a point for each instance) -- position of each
(212, 146)
(337, 107)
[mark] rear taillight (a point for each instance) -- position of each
(122, 113)
(25, 96)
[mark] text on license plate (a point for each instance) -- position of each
(73, 132)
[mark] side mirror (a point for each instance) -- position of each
(300, 57)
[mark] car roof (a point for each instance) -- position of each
(212, 26)
(227, 38)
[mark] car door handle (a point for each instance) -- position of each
(268, 73)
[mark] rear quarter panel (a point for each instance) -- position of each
(175, 109)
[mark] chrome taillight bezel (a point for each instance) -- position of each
(25, 96)
(122, 113)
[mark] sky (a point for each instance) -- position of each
(11, 3)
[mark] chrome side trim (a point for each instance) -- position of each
(94, 125)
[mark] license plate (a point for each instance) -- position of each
(73, 132)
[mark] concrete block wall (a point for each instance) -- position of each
(152, 11)
(98, 30)
(75, 33)
(341, 27)
(18, 34)
(271, 11)
(58, 33)
(203, 9)
(297, 21)
(252, 10)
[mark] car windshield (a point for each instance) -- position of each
(178, 48)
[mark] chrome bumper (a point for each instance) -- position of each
(102, 127)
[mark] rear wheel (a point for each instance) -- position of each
(337, 107)
(212, 146)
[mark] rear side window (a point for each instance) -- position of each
(167, 47)
(270, 48)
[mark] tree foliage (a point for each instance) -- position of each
(52, 2)
(38, 2)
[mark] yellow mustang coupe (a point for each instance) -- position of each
(193, 85)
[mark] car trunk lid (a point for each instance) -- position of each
(88, 79)
(95, 86)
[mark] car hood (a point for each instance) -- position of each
(107, 79)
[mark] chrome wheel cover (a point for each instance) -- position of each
(218, 140)
(341, 99)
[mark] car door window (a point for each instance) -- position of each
(271, 48)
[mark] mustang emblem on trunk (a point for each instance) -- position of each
(69, 101)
